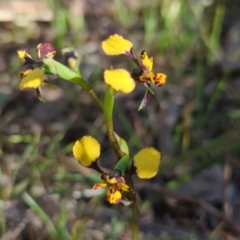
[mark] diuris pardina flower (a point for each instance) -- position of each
(123, 81)
(145, 164)
(32, 74)
(87, 150)
(116, 185)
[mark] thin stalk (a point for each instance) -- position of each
(135, 216)
(96, 98)
(108, 112)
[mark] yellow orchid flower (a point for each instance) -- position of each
(87, 150)
(31, 77)
(120, 79)
(158, 79)
(32, 74)
(115, 185)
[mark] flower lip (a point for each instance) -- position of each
(114, 196)
(160, 79)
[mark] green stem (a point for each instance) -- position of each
(108, 112)
(135, 216)
(96, 98)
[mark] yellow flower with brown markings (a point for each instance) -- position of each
(32, 73)
(115, 185)
(119, 80)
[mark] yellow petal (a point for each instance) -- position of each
(116, 45)
(114, 197)
(120, 80)
(33, 79)
(72, 63)
(86, 150)
(146, 61)
(21, 55)
(124, 187)
(24, 73)
(147, 162)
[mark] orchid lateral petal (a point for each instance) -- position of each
(147, 162)
(86, 150)
(99, 184)
(125, 187)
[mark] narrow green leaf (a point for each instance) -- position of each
(59, 69)
(41, 214)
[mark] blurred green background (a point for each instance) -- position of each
(193, 120)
